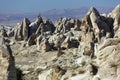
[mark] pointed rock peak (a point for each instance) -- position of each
(115, 12)
(117, 8)
(47, 21)
(118, 5)
(87, 16)
(94, 10)
(26, 20)
(39, 20)
(39, 17)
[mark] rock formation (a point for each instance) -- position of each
(82, 50)
(45, 45)
(22, 30)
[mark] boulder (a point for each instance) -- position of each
(45, 45)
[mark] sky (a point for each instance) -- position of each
(24, 6)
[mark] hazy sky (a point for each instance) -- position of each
(22, 6)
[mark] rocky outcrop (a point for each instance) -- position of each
(49, 26)
(64, 25)
(31, 40)
(25, 31)
(108, 60)
(87, 49)
(45, 26)
(34, 25)
(45, 45)
(95, 23)
(22, 30)
(115, 14)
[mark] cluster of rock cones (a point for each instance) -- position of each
(86, 49)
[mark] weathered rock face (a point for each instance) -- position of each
(96, 24)
(40, 29)
(64, 25)
(22, 30)
(108, 60)
(45, 45)
(38, 41)
(31, 40)
(49, 26)
(25, 30)
(45, 26)
(115, 14)
(34, 25)
(87, 48)
(7, 64)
